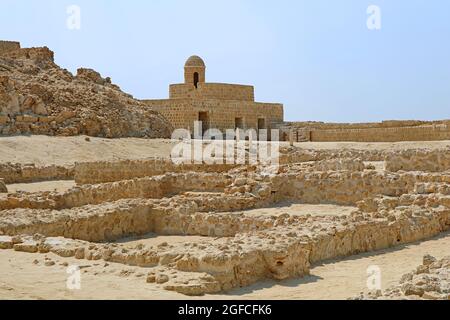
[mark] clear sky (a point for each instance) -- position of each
(318, 57)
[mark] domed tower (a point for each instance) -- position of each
(194, 71)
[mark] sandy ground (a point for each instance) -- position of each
(153, 239)
(58, 185)
(21, 278)
(299, 209)
(43, 150)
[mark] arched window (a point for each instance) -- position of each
(195, 79)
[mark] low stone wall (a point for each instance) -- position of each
(419, 133)
(19, 173)
(294, 155)
(342, 164)
(144, 188)
(345, 187)
(419, 160)
(110, 171)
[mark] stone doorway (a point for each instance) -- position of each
(203, 117)
(239, 123)
(261, 123)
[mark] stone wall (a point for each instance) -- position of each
(293, 155)
(419, 160)
(347, 187)
(182, 113)
(17, 173)
(364, 125)
(386, 131)
(143, 188)
(220, 91)
(6, 46)
(106, 171)
(421, 133)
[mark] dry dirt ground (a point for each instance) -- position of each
(43, 150)
(34, 276)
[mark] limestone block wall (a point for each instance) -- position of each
(364, 125)
(144, 188)
(288, 155)
(346, 187)
(386, 131)
(221, 91)
(182, 113)
(110, 171)
(419, 133)
(18, 173)
(6, 46)
(419, 160)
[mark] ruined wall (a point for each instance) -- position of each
(143, 188)
(419, 160)
(6, 46)
(346, 187)
(420, 133)
(106, 171)
(220, 91)
(386, 131)
(182, 113)
(17, 173)
(364, 125)
(292, 155)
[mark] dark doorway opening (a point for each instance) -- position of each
(196, 79)
(203, 117)
(261, 123)
(238, 123)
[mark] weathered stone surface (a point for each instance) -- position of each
(3, 188)
(38, 97)
(419, 160)
(239, 248)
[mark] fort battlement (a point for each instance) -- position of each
(6, 46)
(220, 91)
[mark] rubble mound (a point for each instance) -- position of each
(39, 97)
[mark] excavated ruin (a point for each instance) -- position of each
(387, 203)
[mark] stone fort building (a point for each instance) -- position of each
(217, 105)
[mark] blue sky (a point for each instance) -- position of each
(317, 56)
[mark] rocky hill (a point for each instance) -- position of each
(39, 97)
